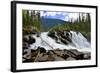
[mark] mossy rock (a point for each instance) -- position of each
(30, 30)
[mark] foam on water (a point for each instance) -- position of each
(79, 41)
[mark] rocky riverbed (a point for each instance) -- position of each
(42, 55)
(55, 46)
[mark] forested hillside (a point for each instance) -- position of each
(33, 23)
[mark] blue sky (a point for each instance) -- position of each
(60, 15)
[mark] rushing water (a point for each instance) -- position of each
(79, 42)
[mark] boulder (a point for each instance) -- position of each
(25, 45)
(27, 60)
(52, 34)
(32, 50)
(57, 58)
(66, 38)
(87, 55)
(70, 59)
(58, 52)
(80, 57)
(67, 34)
(25, 38)
(43, 58)
(60, 32)
(27, 56)
(31, 40)
(76, 52)
(50, 52)
(64, 41)
(41, 49)
(65, 56)
(50, 58)
(33, 53)
(43, 55)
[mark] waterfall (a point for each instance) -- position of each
(79, 42)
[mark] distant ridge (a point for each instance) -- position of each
(48, 23)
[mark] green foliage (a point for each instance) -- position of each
(83, 26)
(27, 20)
(31, 20)
(32, 23)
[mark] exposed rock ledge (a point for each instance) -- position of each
(41, 55)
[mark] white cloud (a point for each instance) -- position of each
(52, 13)
(48, 13)
(66, 18)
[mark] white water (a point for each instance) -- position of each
(79, 42)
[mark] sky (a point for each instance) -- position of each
(60, 15)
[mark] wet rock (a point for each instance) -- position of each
(58, 52)
(64, 41)
(52, 35)
(87, 55)
(66, 38)
(25, 38)
(38, 56)
(80, 57)
(38, 34)
(77, 32)
(69, 53)
(27, 56)
(24, 52)
(58, 41)
(27, 60)
(60, 32)
(27, 50)
(65, 56)
(64, 35)
(70, 59)
(23, 59)
(67, 34)
(50, 58)
(33, 53)
(32, 50)
(41, 49)
(31, 40)
(43, 58)
(41, 55)
(25, 45)
(56, 55)
(57, 58)
(59, 37)
(76, 52)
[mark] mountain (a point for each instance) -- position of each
(48, 23)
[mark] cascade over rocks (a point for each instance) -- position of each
(55, 46)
